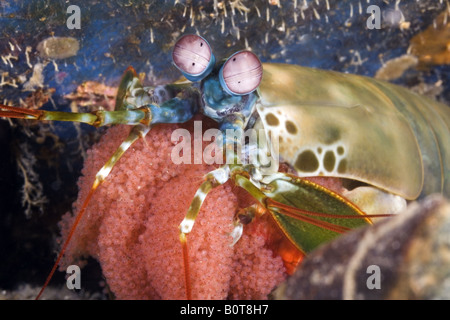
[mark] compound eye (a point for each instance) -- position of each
(241, 74)
(192, 55)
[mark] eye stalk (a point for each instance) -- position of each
(241, 74)
(193, 56)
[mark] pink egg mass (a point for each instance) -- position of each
(131, 227)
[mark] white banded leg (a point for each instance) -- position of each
(214, 179)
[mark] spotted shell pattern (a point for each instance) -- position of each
(348, 126)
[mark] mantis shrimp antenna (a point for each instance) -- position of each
(136, 132)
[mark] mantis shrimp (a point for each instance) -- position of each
(318, 123)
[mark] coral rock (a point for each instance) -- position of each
(404, 257)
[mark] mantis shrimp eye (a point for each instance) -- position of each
(192, 55)
(241, 74)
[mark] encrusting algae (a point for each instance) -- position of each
(432, 46)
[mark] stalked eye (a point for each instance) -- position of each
(192, 55)
(241, 74)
